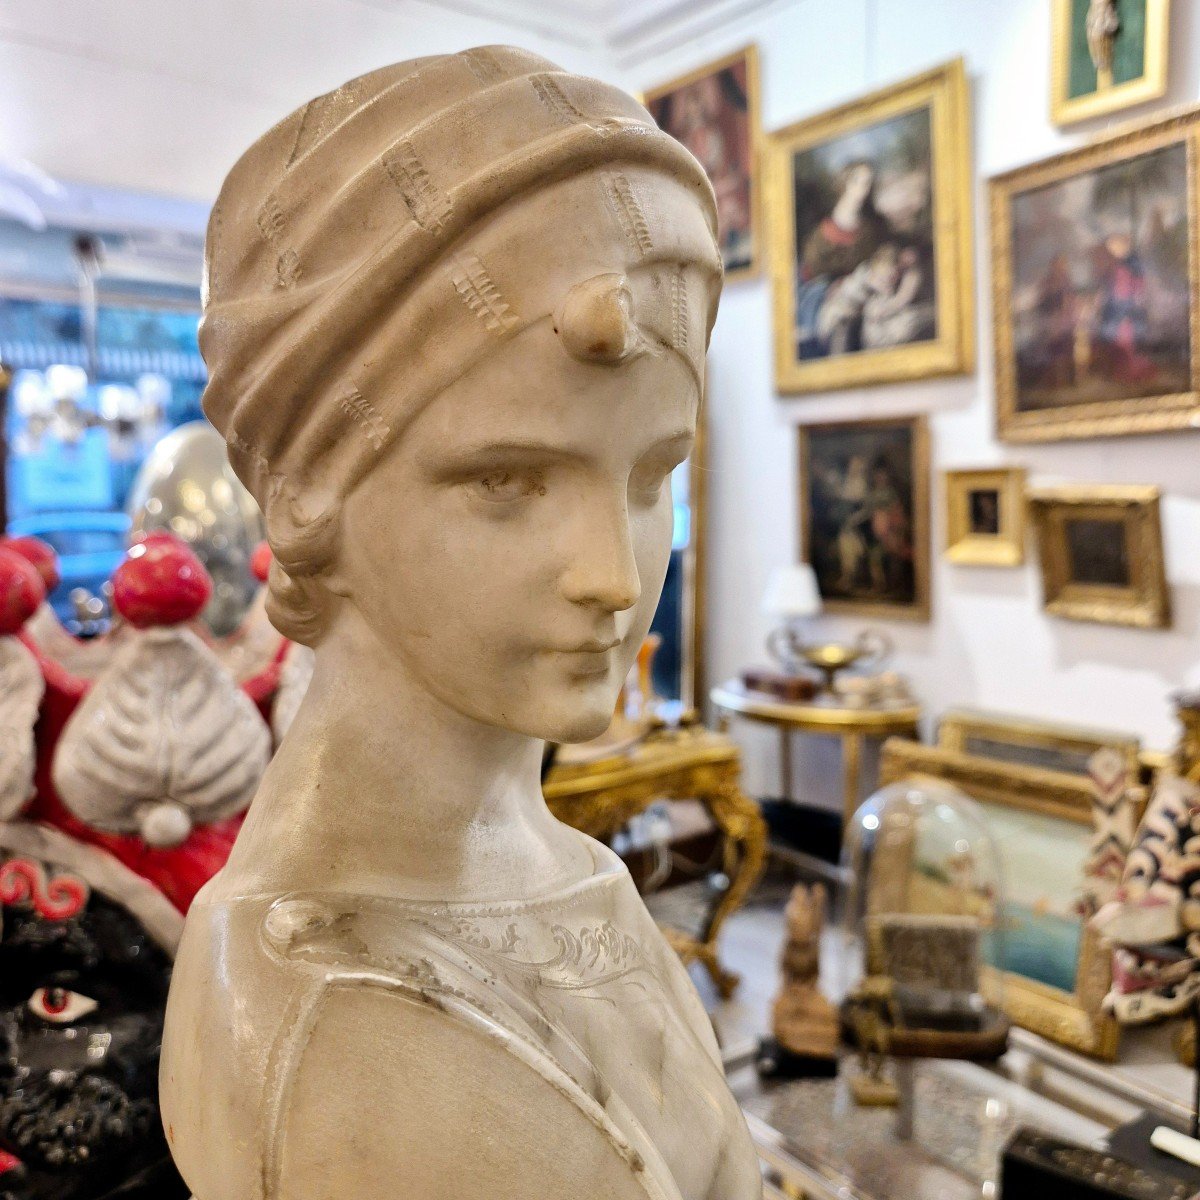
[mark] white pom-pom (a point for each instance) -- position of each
(165, 825)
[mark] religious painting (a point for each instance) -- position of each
(985, 517)
(713, 111)
(864, 519)
(1102, 554)
(1095, 261)
(1107, 55)
(871, 238)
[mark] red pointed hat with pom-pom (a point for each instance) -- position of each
(161, 582)
(21, 590)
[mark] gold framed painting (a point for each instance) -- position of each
(985, 516)
(869, 228)
(714, 112)
(1052, 970)
(864, 515)
(1097, 287)
(1101, 554)
(1107, 55)
(1025, 742)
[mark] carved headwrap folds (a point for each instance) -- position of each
(375, 244)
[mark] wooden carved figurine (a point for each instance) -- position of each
(455, 324)
(803, 1021)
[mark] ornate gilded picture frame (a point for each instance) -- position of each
(869, 229)
(1025, 742)
(864, 515)
(1107, 55)
(1038, 817)
(1101, 554)
(1096, 287)
(985, 516)
(714, 112)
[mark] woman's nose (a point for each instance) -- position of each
(603, 571)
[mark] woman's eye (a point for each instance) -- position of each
(60, 1006)
(502, 486)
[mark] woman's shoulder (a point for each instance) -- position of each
(359, 1059)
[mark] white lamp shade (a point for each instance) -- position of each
(792, 592)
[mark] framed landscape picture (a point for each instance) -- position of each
(870, 227)
(1053, 969)
(985, 517)
(714, 112)
(1101, 554)
(1023, 741)
(1095, 282)
(864, 515)
(1107, 55)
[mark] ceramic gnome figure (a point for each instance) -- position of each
(455, 322)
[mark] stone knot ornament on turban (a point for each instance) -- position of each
(380, 241)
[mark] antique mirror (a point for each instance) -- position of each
(679, 661)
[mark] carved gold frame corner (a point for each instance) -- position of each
(1150, 85)
(952, 352)
(1146, 602)
(754, 117)
(1106, 418)
(1074, 1019)
(1005, 548)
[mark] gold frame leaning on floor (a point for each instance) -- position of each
(1072, 1019)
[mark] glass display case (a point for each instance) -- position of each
(922, 918)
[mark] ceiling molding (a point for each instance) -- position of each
(642, 30)
(629, 31)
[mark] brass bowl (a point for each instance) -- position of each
(832, 658)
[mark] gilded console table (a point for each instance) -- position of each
(694, 763)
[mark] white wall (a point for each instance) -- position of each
(988, 644)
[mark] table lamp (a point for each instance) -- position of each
(792, 594)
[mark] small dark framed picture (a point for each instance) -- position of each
(1101, 553)
(985, 516)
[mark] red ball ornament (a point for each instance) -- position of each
(41, 554)
(161, 582)
(21, 590)
(260, 562)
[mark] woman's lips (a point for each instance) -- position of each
(589, 659)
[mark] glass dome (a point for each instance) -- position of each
(920, 926)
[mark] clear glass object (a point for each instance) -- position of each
(921, 922)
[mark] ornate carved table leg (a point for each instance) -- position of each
(745, 832)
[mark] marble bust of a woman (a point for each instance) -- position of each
(455, 319)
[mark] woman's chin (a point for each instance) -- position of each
(577, 719)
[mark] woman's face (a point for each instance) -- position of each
(512, 546)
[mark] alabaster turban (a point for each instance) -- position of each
(378, 242)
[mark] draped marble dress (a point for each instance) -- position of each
(474, 1031)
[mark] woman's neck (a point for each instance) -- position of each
(379, 787)
(847, 213)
